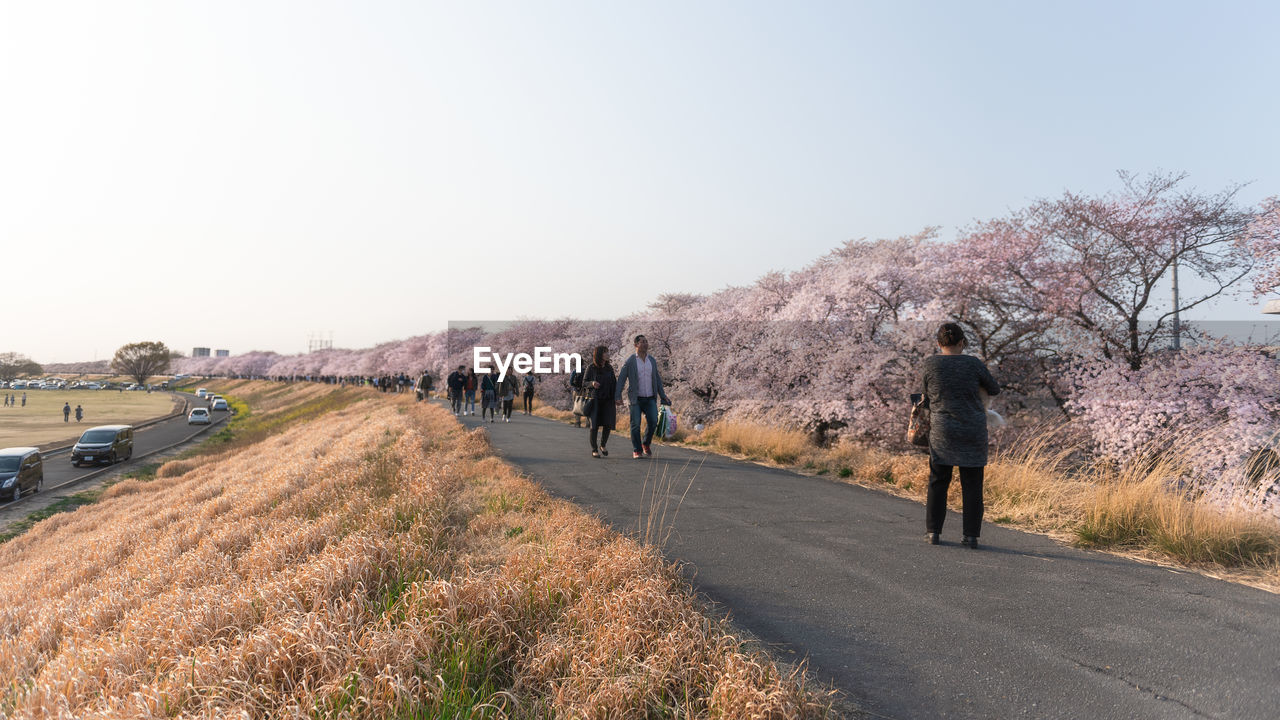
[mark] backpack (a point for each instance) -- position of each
(575, 379)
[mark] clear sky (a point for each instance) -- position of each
(240, 174)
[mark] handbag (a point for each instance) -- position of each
(918, 425)
(584, 403)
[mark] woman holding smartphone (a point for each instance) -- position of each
(953, 383)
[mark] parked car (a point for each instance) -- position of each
(104, 444)
(200, 393)
(199, 416)
(92, 386)
(219, 404)
(21, 469)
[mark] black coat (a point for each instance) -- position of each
(606, 414)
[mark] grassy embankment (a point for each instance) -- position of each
(278, 406)
(375, 561)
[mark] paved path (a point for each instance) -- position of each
(841, 575)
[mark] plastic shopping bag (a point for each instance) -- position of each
(666, 423)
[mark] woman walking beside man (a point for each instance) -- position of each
(602, 381)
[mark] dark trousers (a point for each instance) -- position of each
(506, 407)
(935, 508)
(648, 406)
(528, 401)
(592, 427)
(456, 398)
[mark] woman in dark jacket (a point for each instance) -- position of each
(953, 383)
(603, 382)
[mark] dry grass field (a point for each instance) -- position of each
(374, 561)
(40, 423)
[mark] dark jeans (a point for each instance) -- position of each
(935, 512)
(648, 406)
(506, 407)
(528, 401)
(592, 427)
(456, 399)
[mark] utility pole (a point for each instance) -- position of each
(1177, 325)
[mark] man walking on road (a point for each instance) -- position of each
(455, 381)
(643, 382)
(529, 381)
(66, 412)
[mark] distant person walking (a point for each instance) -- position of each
(529, 381)
(601, 380)
(424, 386)
(24, 399)
(957, 431)
(455, 381)
(640, 376)
(79, 413)
(469, 388)
(507, 391)
(66, 412)
(489, 396)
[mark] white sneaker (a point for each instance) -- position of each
(506, 419)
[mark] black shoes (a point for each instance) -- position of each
(603, 452)
(969, 541)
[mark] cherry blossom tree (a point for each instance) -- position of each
(1100, 263)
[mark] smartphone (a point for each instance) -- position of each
(916, 398)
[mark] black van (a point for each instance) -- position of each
(21, 469)
(104, 444)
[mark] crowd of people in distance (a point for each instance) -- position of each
(497, 393)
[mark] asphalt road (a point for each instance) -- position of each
(59, 472)
(840, 575)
